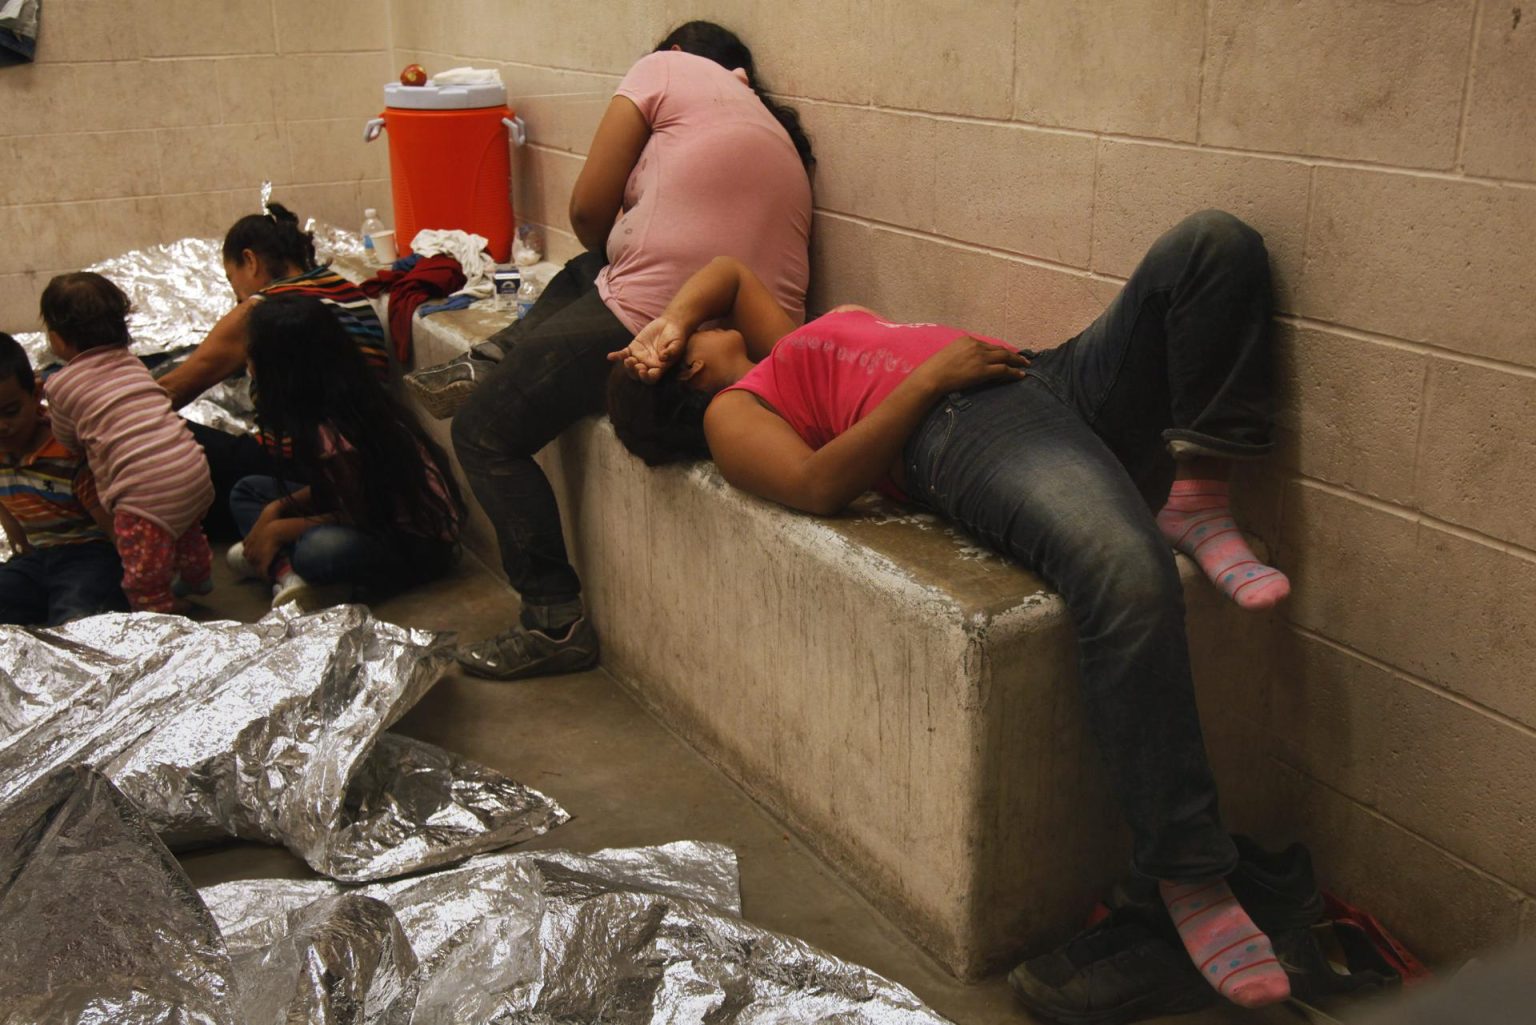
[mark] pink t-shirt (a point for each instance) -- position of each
(718, 177)
(828, 375)
(106, 405)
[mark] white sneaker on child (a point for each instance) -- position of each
(291, 587)
(237, 562)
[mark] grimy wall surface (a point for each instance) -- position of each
(144, 121)
(1001, 165)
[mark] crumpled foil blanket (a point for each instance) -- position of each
(178, 293)
(272, 731)
(98, 923)
(645, 935)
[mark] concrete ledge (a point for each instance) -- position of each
(904, 699)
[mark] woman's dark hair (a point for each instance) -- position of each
(721, 45)
(661, 422)
(309, 374)
(274, 237)
(86, 310)
(14, 364)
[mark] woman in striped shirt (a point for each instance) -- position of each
(265, 255)
(151, 476)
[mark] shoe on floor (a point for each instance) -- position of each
(1278, 889)
(520, 652)
(235, 557)
(1120, 970)
(291, 587)
(1131, 964)
(442, 390)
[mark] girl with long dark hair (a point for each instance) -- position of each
(380, 509)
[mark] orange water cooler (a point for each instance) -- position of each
(449, 160)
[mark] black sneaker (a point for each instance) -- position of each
(1121, 970)
(442, 390)
(1133, 965)
(520, 652)
(1277, 889)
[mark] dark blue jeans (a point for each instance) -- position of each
(1064, 471)
(49, 586)
(383, 561)
(553, 373)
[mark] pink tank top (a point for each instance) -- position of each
(828, 375)
(717, 177)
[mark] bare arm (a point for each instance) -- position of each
(217, 357)
(281, 523)
(758, 451)
(724, 288)
(14, 533)
(599, 191)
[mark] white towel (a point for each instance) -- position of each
(468, 249)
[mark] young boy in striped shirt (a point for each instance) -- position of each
(63, 564)
(152, 475)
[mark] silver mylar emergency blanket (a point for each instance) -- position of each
(624, 936)
(178, 293)
(271, 731)
(99, 924)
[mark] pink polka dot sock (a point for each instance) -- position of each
(1233, 955)
(1198, 522)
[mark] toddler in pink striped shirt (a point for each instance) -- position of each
(151, 475)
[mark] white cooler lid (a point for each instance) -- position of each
(444, 97)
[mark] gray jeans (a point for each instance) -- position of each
(1063, 471)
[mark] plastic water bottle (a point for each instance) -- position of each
(371, 224)
(527, 294)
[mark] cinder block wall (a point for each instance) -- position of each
(145, 122)
(1001, 164)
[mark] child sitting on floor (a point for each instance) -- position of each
(152, 475)
(62, 563)
(381, 509)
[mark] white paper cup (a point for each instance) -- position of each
(384, 250)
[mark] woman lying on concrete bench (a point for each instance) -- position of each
(1056, 458)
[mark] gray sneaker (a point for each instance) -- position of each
(521, 652)
(442, 390)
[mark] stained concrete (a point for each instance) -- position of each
(628, 780)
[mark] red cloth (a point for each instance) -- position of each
(432, 277)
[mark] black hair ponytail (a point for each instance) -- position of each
(274, 237)
(721, 45)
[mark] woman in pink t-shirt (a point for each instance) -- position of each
(1087, 463)
(691, 160)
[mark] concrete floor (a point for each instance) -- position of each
(628, 781)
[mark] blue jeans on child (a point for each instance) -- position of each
(49, 586)
(1064, 471)
(380, 560)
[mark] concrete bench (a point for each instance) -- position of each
(902, 698)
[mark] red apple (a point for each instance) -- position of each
(414, 74)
